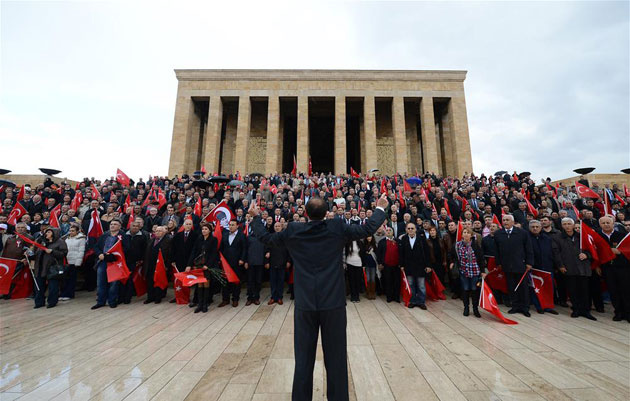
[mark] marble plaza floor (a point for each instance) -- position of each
(165, 352)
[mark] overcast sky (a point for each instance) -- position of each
(89, 86)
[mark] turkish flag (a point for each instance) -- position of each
(20, 194)
(585, 192)
(139, 283)
(405, 290)
(543, 287)
(448, 209)
(310, 167)
(531, 208)
(460, 228)
(229, 272)
(117, 270)
(31, 242)
(197, 210)
(191, 278)
(383, 186)
(496, 221)
(53, 220)
(161, 198)
(434, 287)
(406, 186)
(159, 276)
(218, 234)
(23, 284)
(495, 277)
(401, 199)
(16, 214)
(95, 193)
(76, 201)
(95, 229)
(607, 203)
(487, 302)
(221, 214)
(294, 170)
(132, 218)
(7, 267)
(596, 245)
(354, 173)
(122, 178)
(624, 246)
(620, 200)
(182, 293)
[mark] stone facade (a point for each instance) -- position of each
(236, 120)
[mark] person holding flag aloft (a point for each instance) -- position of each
(107, 292)
(54, 251)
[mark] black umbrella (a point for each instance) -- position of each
(584, 170)
(500, 172)
(4, 171)
(255, 174)
(7, 183)
(626, 171)
(219, 178)
(49, 171)
(201, 183)
(524, 174)
(374, 170)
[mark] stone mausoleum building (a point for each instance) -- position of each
(259, 120)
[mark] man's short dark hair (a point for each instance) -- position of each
(316, 209)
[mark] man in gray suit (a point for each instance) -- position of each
(320, 298)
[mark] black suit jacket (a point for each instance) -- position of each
(415, 259)
(235, 252)
(316, 249)
(182, 247)
(514, 251)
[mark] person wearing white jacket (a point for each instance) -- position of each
(75, 241)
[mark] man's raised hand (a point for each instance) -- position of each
(253, 210)
(382, 201)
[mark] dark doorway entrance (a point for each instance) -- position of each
(354, 112)
(288, 121)
(321, 128)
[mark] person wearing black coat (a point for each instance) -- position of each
(277, 262)
(414, 259)
(158, 242)
(134, 255)
(617, 271)
(320, 297)
(254, 266)
(53, 255)
(234, 249)
(205, 255)
(181, 248)
(515, 256)
(542, 245)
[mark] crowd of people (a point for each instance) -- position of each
(455, 230)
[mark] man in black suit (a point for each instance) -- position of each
(414, 259)
(181, 247)
(397, 226)
(516, 256)
(234, 249)
(320, 297)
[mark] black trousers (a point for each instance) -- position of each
(391, 279)
(577, 286)
(520, 297)
(618, 283)
(233, 289)
(355, 277)
(254, 282)
(153, 293)
(595, 291)
(306, 331)
(561, 288)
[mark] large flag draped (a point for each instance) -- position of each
(487, 302)
(159, 276)
(117, 270)
(7, 268)
(543, 287)
(434, 287)
(405, 290)
(495, 277)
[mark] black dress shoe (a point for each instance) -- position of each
(466, 311)
(575, 314)
(563, 304)
(512, 311)
(540, 311)
(172, 301)
(411, 306)
(526, 313)
(476, 312)
(147, 301)
(50, 306)
(552, 311)
(97, 306)
(617, 318)
(113, 306)
(40, 306)
(157, 301)
(422, 306)
(589, 316)
(126, 302)
(192, 304)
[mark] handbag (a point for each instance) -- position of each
(200, 259)
(56, 272)
(454, 272)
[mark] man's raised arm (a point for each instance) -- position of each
(260, 232)
(356, 231)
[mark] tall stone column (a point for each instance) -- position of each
(213, 135)
(398, 130)
(274, 156)
(182, 136)
(242, 134)
(369, 133)
(429, 139)
(340, 136)
(303, 151)
(462, 159)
